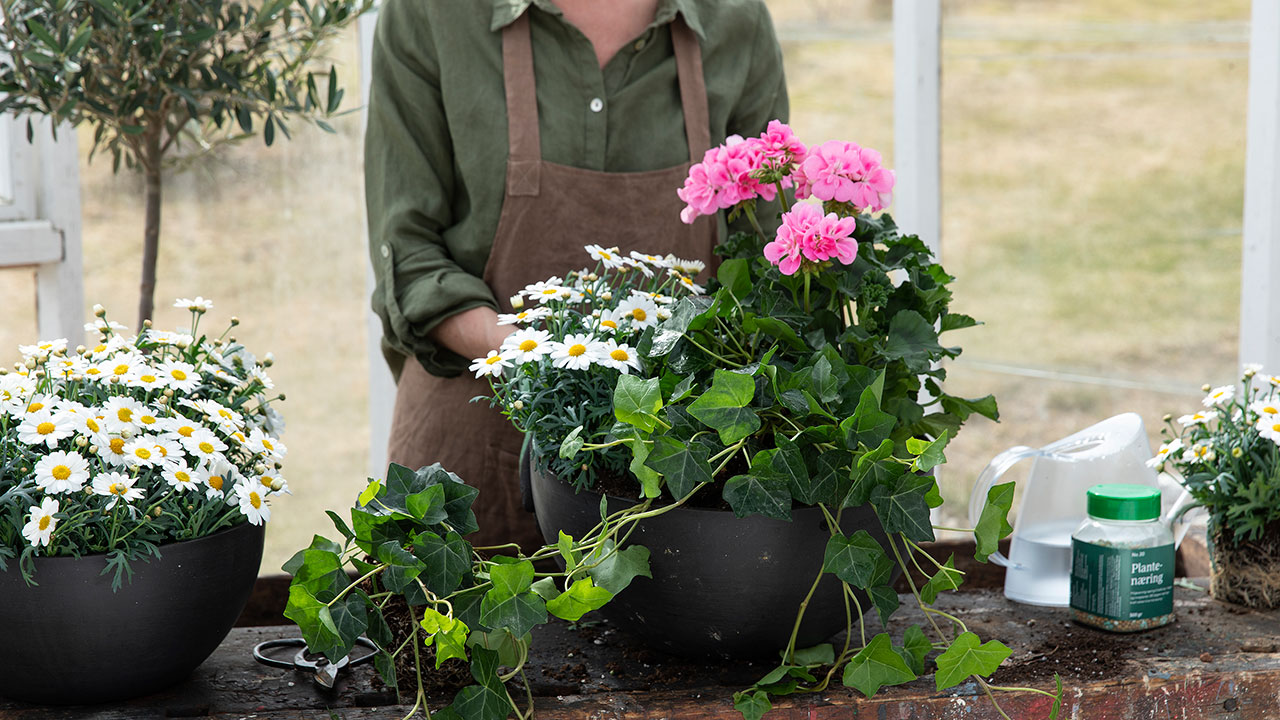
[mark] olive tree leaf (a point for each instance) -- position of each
(858, 560)
(966, 657)
(928, 454)
(993, 523)
(947, 578)
(617, 569)
(903, 509)
(683, 465)
(723, 407)
(636, 401)
(875, 666)
(752, 705)
(758, 495)
(582, 597)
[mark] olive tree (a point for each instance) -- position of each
(159, 80)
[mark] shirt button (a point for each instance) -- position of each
(386, 251)
(597, 104)
(640, 44)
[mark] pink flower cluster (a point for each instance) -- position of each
(807, 234)
(845, 172)
(731, 173)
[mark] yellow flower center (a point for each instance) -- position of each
(117, 488)
(100, 348)
(215, 482)
(35, 406)
(605, 255)
(1275, 427)
(686, 281)
(61, 472)
(182, 477)
(120, 369)
(226, 414)
(205, 447)
(577, 350)
(178, 374)
(267, 444)
(1271, 410)
(550, 291)
(125, 414)
(620, 355)
(186, 430)
(266, 481)
(163, 452)
(46, 428)
(639, 314)
(147, 420)
(528, 345)
(143, 453)
(149, 379)
(93, 371)
(491, 360)
(117, 446)
(44, 523)
(255, 500)
(92, 424)
(609, 324)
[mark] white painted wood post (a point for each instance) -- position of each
(917, 69)
(382, 387)
(1260, 276)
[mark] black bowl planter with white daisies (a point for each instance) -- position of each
(146, 457)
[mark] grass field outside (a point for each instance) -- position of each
(1093, 165)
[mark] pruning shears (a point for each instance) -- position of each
(325, 673)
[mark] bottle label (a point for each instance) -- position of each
(1122, 583)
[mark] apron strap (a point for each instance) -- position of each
(523, 137)
(693, 89)
(525, 143)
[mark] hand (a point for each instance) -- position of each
(472, 333)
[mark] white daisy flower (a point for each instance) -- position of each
(490, 365)
(180, 426)
(619, 356)
(122, 366)
(45, 427)
(535, 289)
(40, 527)
(605, 322)
(43, 349)
(609, 257)
(1200, 452)
(145, 378)
(1266, 406)
(252, 502)
(653, 260)
(90, 425)
(147, 419)
(104, 326)
(1164, 452)
(221, 475)
(61, 472)
(524, 316)
(548, 293)
(576, 352)
(526, 345)
(1219, 395)
(260, 443)
(141, 452)
(40, 401)
(121, 414)
(175, 338)
(182, 478)
(117, 486)
(657, 297)
(199, 304)
(14, 391)
(641, 266)
(113, 451)
(180, 376)
(641, 311)
(1269, 428)
(686, 282)
(227, 420)
(272, 482)
(202, 443)
(688, 267)
(1273, 379)
(1202, 417)
(167, 449)
(261, 376)
(1251, 369)
(65, 367)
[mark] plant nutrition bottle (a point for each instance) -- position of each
(1122, 560)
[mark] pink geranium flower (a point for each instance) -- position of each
(807, 234)
(720, 181)
(845, 172)
(779, 145)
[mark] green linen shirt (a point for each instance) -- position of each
(436, 141)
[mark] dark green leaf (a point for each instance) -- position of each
(618, 569)
(511, 578)
(735, 275)
(788, 463)
(758, 495)
(314, 620)
(636, 401)
(947, 578)
(402, 567)
(963, 408)
(350, 617)
(875, 666)
(517, 613)
(916, 648)
(956, 321)
(446, 560)
(885, 599)
(427, 506)
(902, 508)
(913, 340)
(752, 705)
(966, 657)
(869, 425)
(477, 702)
(775, 328)
(823, 654)
(858, 560)
(723, 407)
(684, 465)
(993, 523)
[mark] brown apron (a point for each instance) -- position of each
(434, 420)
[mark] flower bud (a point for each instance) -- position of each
(1167, 417)
(82, 441)
(99, 311)
(115, 380)
(1237, 453)
(4, 371)
(80, 349)
(277, 484)
(190, 508)
(1206, 387)
(269, 359)
(93, 449)
(234, 321)
(182, 343)
(282, 397)
(1249, 372)
(517, 302)
(156, 511)
(31, 363)
(584, 467)
(232, 339)
(168, 392)
(517, 405)
(126, 434)
(260, 468)
(147, 324)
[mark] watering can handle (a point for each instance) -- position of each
(997, 467)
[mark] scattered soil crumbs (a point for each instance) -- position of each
(1075, 652)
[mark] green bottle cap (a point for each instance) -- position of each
(1124, 502)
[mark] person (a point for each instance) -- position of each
(502, 137)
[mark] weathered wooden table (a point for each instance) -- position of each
(1216, 661)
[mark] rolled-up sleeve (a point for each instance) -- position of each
(410, 186)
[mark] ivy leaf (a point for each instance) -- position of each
(929, 454)
(886, 602)
(735, 275)
(315, 621)
(858, 560)
(403, 566)
(758, 495)
(964, 407)
(824, 654)
(617, 570)
(350, 617)
(546, 588)
(829, 481)
(320, 573)
(517, 613)
(650, 480)
(446, 559)
(966, 657)
(683, 465)
(636, 401)
(581, 598)
(753, 706)
(564, 544)
(477, 702)
(915, 647)
(947, 578)
(572, 444)
(511, 578)
(825, 385)
(723, 407)
(788, 463)
(370, 492)
(873, 469)
(875, 666)
(868, 426)
(427, 506)
(318, 542)
(448, 634)
(670, 331)
(913, 340)
(903, 509)
(934, 496)
(993, 523)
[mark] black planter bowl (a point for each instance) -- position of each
(722, 586)
(72, 641)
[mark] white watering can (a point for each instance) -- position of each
(1053, 501)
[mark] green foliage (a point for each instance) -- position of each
(965, 657)
(405, 542)
(875, 666)
(993, 523)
